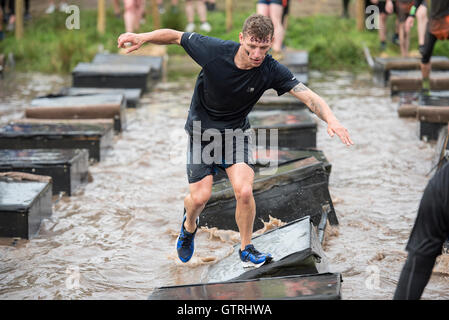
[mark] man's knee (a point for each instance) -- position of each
(421, 13)
(129, 5)
(200, 197)
(425, 59)
(244, 193)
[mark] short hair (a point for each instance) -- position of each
(258, 26)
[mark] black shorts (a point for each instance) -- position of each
(403, 11)
(218, 153)
(271, 2)
(431, 228)
(382, 5)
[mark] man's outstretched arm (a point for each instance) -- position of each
(160, 36)
(322, 110)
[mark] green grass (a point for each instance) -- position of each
(333, 43)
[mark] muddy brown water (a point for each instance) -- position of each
(115, 237)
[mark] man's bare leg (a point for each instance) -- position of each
(202, 10)
(425, 70)
(242, 176)
(196, 200)
(276, 12)
(421, 16)
(404, 40)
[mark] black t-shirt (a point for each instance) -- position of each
(225, 94)
(440, 8)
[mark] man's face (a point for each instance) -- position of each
(255, 49)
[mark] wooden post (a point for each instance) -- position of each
(101, 18)
(19, 19)
(156, 16)
(228, 15)
(360, 14)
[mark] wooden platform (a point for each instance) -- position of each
(433, 114)
(68, 168)
(99, 106)
(384, 66)
(94, 75)
(288, 192)
(296, 128)
(411, 81)
(325, 286)
(271, 101)
(265, 157)
(409, 102)
(154, 62)
(296, 61)
(25, 200)
(132, 96)
(295, 248)
(93, 137)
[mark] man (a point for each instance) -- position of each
(437, 29)
(233, 78)
(430, 231)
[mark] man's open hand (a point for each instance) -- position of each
(130, 41)
(336, 128)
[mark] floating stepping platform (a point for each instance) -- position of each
(265, 158)
(409, 102)
(132, 96)
(68, 168)
(384, 66)
(288, 192)
(97, 138)
(433, 114)
(401, 81)
(271, 101)
(296, 61)
(99, 106)
(302, 77)
(296, 129)
(94, 75)
(25, 200)
(154, 62)
(325, 286)
(295, 248)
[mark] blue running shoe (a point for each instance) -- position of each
(185, 243)
(251, 258)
